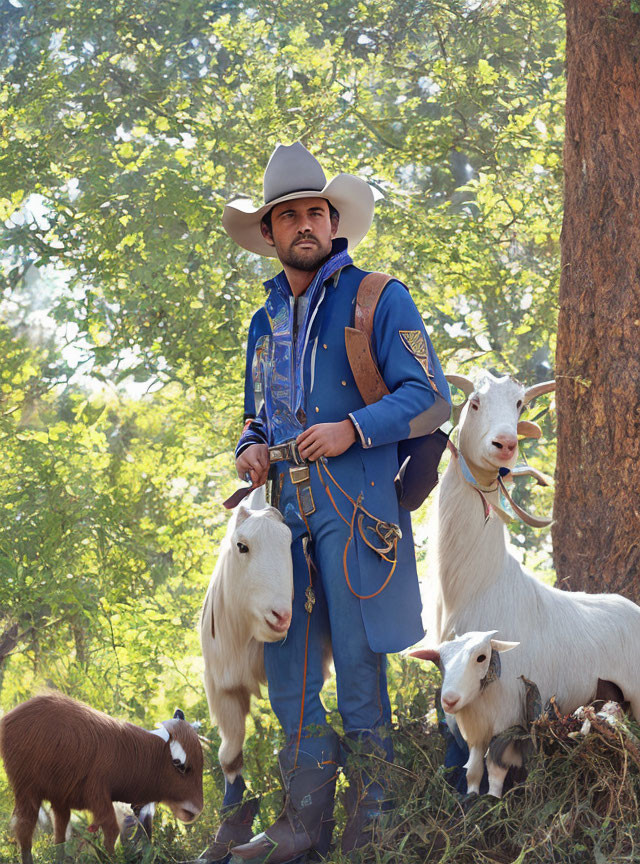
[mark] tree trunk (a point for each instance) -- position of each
(596, 535)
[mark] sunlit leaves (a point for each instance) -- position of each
(134, 123)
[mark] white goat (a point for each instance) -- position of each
(569, 639)
(248, 602)
(470, 665)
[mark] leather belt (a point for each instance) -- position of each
(298, 473)
(287, 452)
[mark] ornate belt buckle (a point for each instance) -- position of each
(276, 454)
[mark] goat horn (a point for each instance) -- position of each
(527, 518)
(532, 393)
(529, 429)
(427, 654)
(465, 384)
(528, 471)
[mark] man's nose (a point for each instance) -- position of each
(304, 225)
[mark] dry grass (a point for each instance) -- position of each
(579, 804)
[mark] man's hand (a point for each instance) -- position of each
(326, 439)
(255, 462)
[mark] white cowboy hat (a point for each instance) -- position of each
(292, 172)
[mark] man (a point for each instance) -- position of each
(331, 460)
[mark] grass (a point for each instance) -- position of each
(579, 805)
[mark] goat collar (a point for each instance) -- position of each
(507, 509)
(483, 479)
(493, 672)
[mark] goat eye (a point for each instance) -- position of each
(475, 406)
(179, 766)
(481, 658)
(519, 404)
(242, 548)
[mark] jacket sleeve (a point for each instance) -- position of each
(418, 401)
(254, 432)
(255, 427)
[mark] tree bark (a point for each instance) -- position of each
(596, 535)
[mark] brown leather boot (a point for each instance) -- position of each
(366, 800)
(363, 819)
(306, 822)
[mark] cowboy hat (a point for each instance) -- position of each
(292, 172)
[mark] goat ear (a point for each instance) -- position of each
(462, 382)
(179, 714)
(161, 732)
(500, 645)
(257, 499)
(427, 654)
(242, 514)
(528, 429)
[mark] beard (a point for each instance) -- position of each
(308, 260)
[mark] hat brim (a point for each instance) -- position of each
(352, 197)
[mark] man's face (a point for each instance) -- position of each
(301, 232)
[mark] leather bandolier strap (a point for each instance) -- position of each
(418, 455)
(357, 339)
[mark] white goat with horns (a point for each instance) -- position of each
(568, 640)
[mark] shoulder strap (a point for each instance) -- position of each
(369, 292)
(364, 369)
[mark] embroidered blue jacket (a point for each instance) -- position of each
(327, 392)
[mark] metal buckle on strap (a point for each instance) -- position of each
(287, 452)
(278, 453)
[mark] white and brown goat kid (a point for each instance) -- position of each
(60, 750)
(470, 666)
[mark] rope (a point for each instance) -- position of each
(306, 638)
(357, 505)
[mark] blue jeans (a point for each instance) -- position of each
(336, 621)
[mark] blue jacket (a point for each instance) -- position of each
(393, 618)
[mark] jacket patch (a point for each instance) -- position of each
(416, 344)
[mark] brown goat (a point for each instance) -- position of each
(60, 750)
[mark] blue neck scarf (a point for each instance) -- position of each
(281, 355)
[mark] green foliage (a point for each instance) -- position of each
(124, 306)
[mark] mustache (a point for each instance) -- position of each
(305, 239)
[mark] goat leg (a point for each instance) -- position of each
(496, 774)
(61, 816)
(24, 819)
(232, 707)
(104, 817)
(474, 769)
